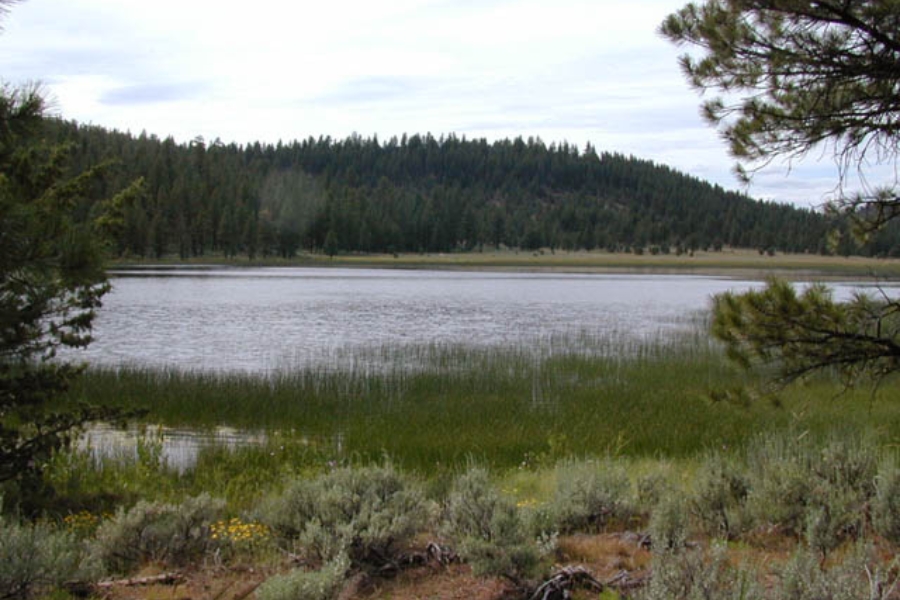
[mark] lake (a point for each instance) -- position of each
(264, 319)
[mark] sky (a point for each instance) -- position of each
(580, 71)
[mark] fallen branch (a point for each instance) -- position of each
(623, 581)
(164, 579)
(443, 555)
(566, 579)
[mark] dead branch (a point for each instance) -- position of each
(443, 555)
(163, 579)
(624, 582)
(566, 579)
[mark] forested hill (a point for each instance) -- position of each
(418, 194)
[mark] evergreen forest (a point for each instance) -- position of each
(421, 194)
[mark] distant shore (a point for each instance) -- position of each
(728, 263)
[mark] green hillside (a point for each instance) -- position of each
(420, 194)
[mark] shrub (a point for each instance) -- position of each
(323, 584)
(364, 513)
(651, 488)
(803, 578)
(589, 496)
(689, 575)
(720, 496)
(781, 483)
(34, 558)
(849, 464)
(489, 531)
(820, 492)
(886, 504)
(669, 524)
(170, 534)
(834, 515)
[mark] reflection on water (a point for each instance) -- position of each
(174, 447)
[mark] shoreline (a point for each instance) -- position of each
(736, 264)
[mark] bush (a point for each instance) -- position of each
(364, 513)
(669, 524)
(781, 484)
(589, 496)
(820, 492)
(323, 584)
(803, 578)
(651, 489)
(170, 534)
(34, 558)
(689, 575)
(849, 464)
(488, 530)
(834, 515)
(720, 496)
(886, 504)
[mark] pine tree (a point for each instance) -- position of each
(807, 75)
(51, 282)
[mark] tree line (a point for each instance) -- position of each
(421, 194)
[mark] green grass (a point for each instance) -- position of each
(434, 408)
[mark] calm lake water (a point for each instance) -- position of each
(259, 320)
(264, 319)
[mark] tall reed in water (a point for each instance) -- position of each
(444, 405)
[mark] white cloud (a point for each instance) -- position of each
(575, 70)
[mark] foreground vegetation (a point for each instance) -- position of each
(464, 465)
(784, 518)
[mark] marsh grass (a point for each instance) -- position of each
(432, 407)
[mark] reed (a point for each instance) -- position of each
(431, 406)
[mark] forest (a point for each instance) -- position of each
(422, 194)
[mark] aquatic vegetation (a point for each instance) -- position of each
(500, 405)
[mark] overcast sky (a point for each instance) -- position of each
(563, 70)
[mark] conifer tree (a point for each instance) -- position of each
(51, 282)
(796, 77)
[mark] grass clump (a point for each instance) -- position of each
(169, 534)
(34, 558)
(365, 513)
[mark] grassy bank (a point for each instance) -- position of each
(433, 407)
(738, 262)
